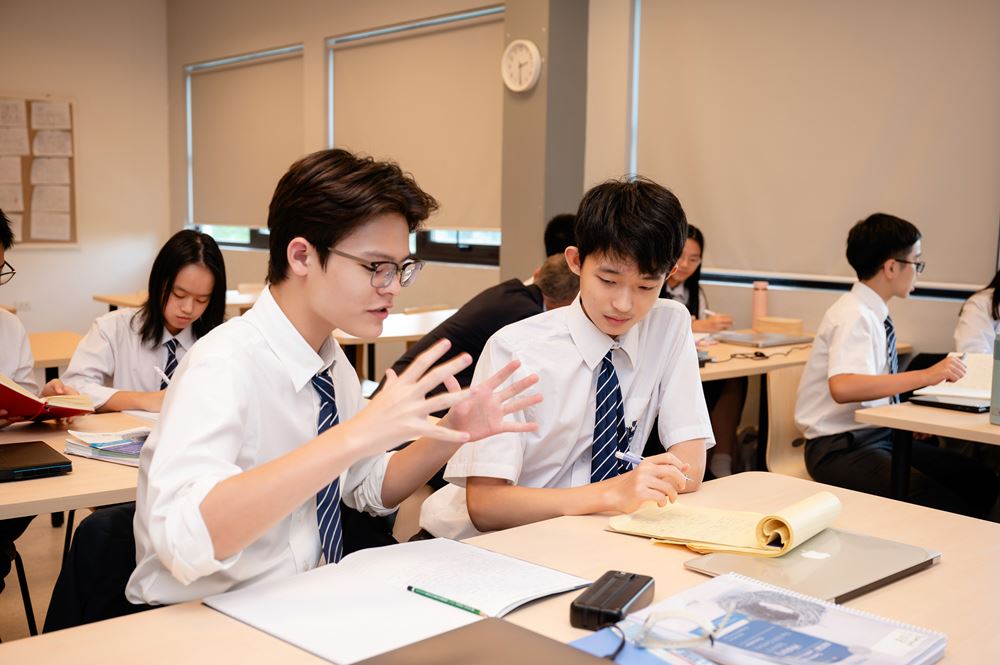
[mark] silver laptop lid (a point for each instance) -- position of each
(761, 340)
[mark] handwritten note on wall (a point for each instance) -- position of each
(37, 184)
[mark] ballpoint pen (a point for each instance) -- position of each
(636, 460)
(166, 379)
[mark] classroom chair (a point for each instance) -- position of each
(22, 582)
(785, 443)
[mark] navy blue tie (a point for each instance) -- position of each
(328, 500)
(609, 425)
(890, 349)
(171, 365)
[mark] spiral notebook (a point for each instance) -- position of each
(756, 623)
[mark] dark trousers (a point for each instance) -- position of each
(10, 530)
(862, 461)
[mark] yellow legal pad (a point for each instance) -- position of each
(715, 530)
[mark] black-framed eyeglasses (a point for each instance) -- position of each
(7, 273)
(917, 265)
(383, 272)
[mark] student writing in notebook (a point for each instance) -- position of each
(126, 359)
(726, 397)
(979, 320)
(608, 364)
(263, 431)
(17, 363)
(853, 364)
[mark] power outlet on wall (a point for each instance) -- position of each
(23, 305)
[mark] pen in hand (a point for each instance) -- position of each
(636, 460)
(166, 379)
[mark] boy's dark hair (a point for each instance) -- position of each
(995, 302)
(637, 220)
(693, 283)
(6, 234)
(326, 195)
(557, 282)
(559, 233)
(873, 241)
(183, 249)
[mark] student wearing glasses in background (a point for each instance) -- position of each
(853, 365)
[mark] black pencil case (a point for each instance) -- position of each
(610, 598)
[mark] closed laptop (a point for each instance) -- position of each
(761, 340)
(31, 459)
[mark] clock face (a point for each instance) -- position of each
(521, 65)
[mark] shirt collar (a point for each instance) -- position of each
(677, 292)
(185, 338)
(594, 344)
(287, 343)
(872, 300)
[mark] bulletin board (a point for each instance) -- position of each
(37, 177)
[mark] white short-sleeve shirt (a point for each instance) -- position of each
(682, 294)
(113, 357)
(850, 340)
(16, 360)
(242, 397)
(977, 329)
(657, 369)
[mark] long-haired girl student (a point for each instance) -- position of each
(979, 321)
(129, 355)
(724, 398)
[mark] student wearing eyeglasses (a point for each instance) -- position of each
(853, 364)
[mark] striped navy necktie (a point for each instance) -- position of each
(171, 365)
(890, 349)
(328, 499)
(609, 425)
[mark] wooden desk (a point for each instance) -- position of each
(398, 327)
(53, 350)
(233, 299)
(952, 597)
(91, 483)
(908, 418)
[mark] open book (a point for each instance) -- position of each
(121, 447)
(20, 403)
(976, 383)
(361, 607)
(714, 530)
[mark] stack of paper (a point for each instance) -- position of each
(976, 383)
(120, 447)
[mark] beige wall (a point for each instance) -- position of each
(110, 58)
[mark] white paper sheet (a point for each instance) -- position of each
(10, 170)
(53, 143)
(12, 113)
(50, 171)
(14, 141)
(50, 115)
(11, 198)
(50, 198)
(50, 226)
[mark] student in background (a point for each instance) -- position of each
(264, 430)
(725, 398)
(853, 365)
(16, 363)
(128, 356)
(559, 234)
(608, 363)
(979, 320)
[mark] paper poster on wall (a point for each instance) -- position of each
(10, 170)
(15, 226)
(12, 113)
(37, 176)
(50, 115)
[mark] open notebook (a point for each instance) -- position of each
(976, 383)
(20, 403)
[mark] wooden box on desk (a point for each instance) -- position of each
(777, 324)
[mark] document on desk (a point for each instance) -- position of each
(706, 530)
(976, 383)
(360, 607)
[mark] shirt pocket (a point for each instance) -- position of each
(639, 420)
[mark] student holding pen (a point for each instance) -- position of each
(129, 355)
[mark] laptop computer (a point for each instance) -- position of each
(31, 459)
(954, 402)
(761, 340)
(834, 565)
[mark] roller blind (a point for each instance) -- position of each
(247, 128)
(433, 102)
(779, 123)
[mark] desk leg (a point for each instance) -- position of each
(371, 362)
(112, 308)
(51, 373)
(57, 520)
(762, 426)
(902, 447)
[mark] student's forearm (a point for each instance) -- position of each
(846, 388)
(240, 509)
(128, 399)
(691, 452)
(494, 504)
(412, 467)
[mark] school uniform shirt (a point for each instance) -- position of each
(657, 369)
(16, 361)
(977, 329)
(682, 294)
(242, 397)
(850, 340)
(113, 357)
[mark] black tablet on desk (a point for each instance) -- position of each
(970, 404)
(31, 459)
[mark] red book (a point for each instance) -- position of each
(19, 403)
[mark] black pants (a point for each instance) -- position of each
(862, 461)
(10, 530)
